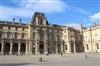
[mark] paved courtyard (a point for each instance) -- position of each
(75, 59)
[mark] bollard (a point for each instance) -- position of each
(40, 59)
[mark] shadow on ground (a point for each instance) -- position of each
(12, 64)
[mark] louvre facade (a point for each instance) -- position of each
(41, 37)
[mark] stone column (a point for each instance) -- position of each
(45, 43)
(62, 46)
(45, 48)
(11, 48)
(19, 48)
(26, 49)
(69, 47)
(5, 35)
(36, 20)
(36, 47)
(56, 47)
(74, 48)
(36, 44)
(2, 49)
(30, 47)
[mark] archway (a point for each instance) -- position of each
(15, 48)
(59, 48)
(97, 46)
(41, 48)
(0, 47)
(72, 48)
(7, 48)
(23, 48)
(33, 48)
(77, 48)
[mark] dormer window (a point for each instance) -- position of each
(40, 21)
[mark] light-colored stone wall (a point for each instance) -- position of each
(91, 38)
(57, 39)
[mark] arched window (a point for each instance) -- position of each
(65, 47)
(87, 46)
(97, 45)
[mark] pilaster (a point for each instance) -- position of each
(2, 48)
(11, 48)
(19, 48)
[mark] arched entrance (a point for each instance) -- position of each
(7, 48)
(72, 48)
(0, 47)
(59, 48)
(33, 48)
(15, 48)
(77, 48)
(41, 48)
(23, 48)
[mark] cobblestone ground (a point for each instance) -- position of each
(75, 59)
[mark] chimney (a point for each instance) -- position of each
(20, 21)
(13, 20)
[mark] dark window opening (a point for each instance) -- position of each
(65, 47)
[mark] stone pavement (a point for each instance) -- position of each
(73, 59)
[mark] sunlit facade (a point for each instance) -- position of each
(41, 37)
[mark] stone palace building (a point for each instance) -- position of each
(41, 37)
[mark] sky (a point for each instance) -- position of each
(61, 12)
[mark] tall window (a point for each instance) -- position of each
(64, 31)
(87, 46)
(9, 27)
(97, 45)
(8, 34)
(58, 38)
(41, 36)
(15, 35)
(0, 34)
(65, 47)
(1, 27)
(50, 36)
(33, 35)
(22, 35)
(40, 20)
(65, 37)
(23, 29)
(16, 28)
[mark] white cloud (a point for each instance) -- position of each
(75, 25)
(8, 13)
(82, 11)
(95, 17)
(26, 8)
(47, 6)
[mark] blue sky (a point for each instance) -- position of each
(62, 12)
